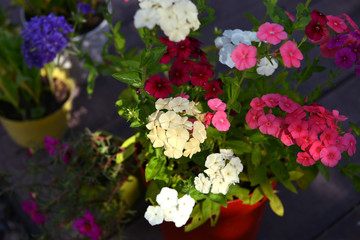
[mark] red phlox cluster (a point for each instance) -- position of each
(313, 128)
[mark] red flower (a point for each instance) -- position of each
(305, 159)
(183, 48)
(179, 74)
(318, 17)
(327, 52)
(213, 88)
(158, 87)
(316, 31)
(200, 75)
(170, 51)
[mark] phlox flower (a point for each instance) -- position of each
(163, 104)
(252, 117)
(290, 54)
(272, 33)
(299, 128)
(318, 16)
(297, 114)
(244, 56)
(146, 17)
(257, 104)
(32, 209)
(177, 137)
(167, 198)
(217, 105)
(236, 163)
(327, 52)
(225, 56)
(317, 124)
(191, 147)
(213, 89)
(337, 116)
(172, 151)
(316, 32)
(179, 104)
(192, 109)
(267, 67)
(88, 227)
(271, 99)
(230, 174)
(305, 159)
(199, 131)
(154, 215)
(169, 120)
(315, 149)
(186, 204)
(328, 137)
(345, 58)
(227, 153)
(305, 141)
(220, 121)
(350, 142)
(288, 105)
(215, 161)
(267, 124)
(286, 138)
(337, 41)
(158, 87)
(212, 173)
(202, 183)
(219, 186)
(336, 24)
(330, 156)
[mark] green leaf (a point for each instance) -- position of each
(218, 198)
(351, 169)
(132, 78)
(355, 128)
(295, 175)
(324, 170)
(289, 185)
(279, 169)
(280, 79)
(257, 137)
(309, 175)
(259, 175)
(303, 13)
(256, 196)
(276, 205)
(153, 167)
(256, 155)
(253, 19)
(196, 219)
(120, 157)
(238, 192)
(356, 182)
(239, 147)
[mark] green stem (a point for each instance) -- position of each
(49, 67)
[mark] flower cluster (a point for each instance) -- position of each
(55, 148)
(223, 169)
(175, 17)
(337, 39)
(87, 226)
(219, 118)
(44, 37)
(313, 128)
(171, 209)
(32, 209)
(174, 130)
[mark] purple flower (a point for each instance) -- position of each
(33, 210)
(355, 47)
(345, 58)
(85, 8)
(88, 227)
(43, 38)
(67, 153)
(337, 41)
(355, 34)
(51, 145)
(357, 70)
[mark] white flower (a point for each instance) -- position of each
(162, 103)
(147, 17)
(153, 119)
(167, 198)
(225, 55)
(179, 104)
(180, 218)
(168, 20)
(219, 186)
(178, 33)
(186, 204)
(226, 153)
(186, 124)
(157, 137)
(230, 174)
(192, 109)
(185, 11)
(215, 161)
(202, 183)
(191, 147)
(166, 3)
(169, 213)
(199, 131)
(169, 120)
(236, 163)
(221, 41)
(154, 215)
(266, 67)
(212, 173)
(172, 152)
(177, 137)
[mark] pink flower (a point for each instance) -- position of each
(220, 121)
(297, 114)
(257, 103)
(244, 56)
(305, 159)
(337, 24)
(315, 149)
(328, 137)
(208, 118)
(286, 138)
(317, 124)
(271, 99)
(288, 105)
(217, 105)
(88, 227)
(305, 141)
(330, 156)
(350, 142)
(267, 124)
(272, 33)
(337, 116)
(32, 209)
(290, 54)
(298, 128)
(290, 16)
(183, 95)
(158, 87)
(252, 117)
(51, 145)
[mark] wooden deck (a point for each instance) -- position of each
(326, 211)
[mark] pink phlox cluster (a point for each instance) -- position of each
(219, 117)
(313, 128)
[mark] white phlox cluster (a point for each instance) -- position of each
(223, 169)
(171, 209)
(175, 17)
(228, 42)
(170, 127)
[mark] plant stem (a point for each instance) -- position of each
(49, 67)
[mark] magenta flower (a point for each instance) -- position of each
(315, 149)
(330, 156)
(328, 137)
(336, 24)
(267, 124)
(257, 103)
(51, 145)
(298, 128)
(271, 99)
(337, 41)
(32, 209)
(357, 70)
(290, 54)
(272, 33)
(217, 105)
(88, 227)
(350, 142)
(345, 58)
(244, 56)
(305, 159)
(286, 138)
(252, 117)
(158, 87)
(220, 121)
(288, 105)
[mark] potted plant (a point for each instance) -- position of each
(214, 143)
(84, 185)
(35, 96)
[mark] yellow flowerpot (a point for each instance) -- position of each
(31, 133)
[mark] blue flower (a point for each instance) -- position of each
(43, 38)
(85, 8)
